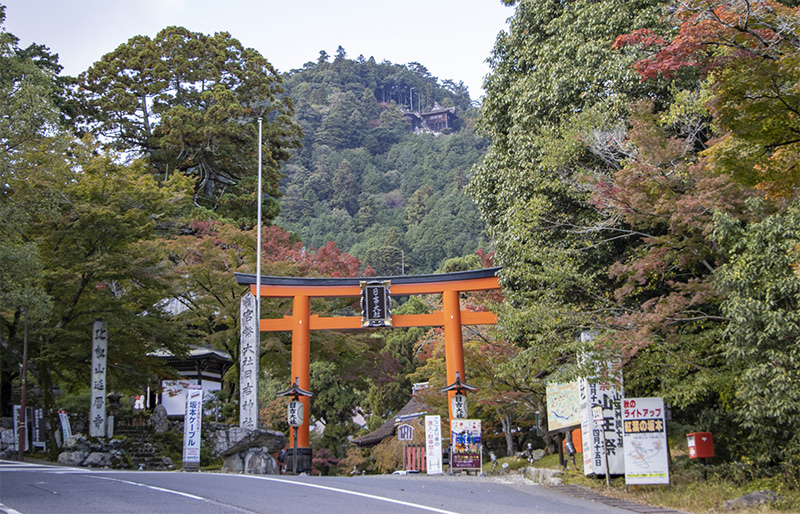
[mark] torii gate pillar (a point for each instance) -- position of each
(301, 359)
(453, 348)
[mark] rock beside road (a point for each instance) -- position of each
(79, 451)
(750, 500)
(248, 450)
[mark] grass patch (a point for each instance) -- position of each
(692, 488)
(504, 464)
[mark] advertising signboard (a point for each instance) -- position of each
(465, 436)
(601, 425)
(192, 424)
(646, 457)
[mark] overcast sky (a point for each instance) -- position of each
(451, 38)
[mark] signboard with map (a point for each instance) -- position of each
(563, 406)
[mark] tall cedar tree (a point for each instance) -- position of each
(188, 103)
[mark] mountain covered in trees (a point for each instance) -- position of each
(388, 195)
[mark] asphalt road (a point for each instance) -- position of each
(42, 489)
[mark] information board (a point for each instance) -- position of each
(646, 456)
(405, 433)
(563, 406)
(295, 413)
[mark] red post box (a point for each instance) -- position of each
(701, 445)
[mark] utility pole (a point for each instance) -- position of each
(23, 429)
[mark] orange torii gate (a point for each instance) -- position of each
(301, 322)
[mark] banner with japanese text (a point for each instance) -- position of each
(66, 428)
(192, 426)
(646, 456)
(433, 445)
(602, 438)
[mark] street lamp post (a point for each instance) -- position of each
(459, 399)
(258, 249)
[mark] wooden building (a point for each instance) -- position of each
(202, 366)
(436, 120)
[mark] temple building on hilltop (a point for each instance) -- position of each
(436, 120)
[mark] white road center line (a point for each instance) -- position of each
(153, 487)
(354, 493)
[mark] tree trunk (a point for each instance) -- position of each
(505, 422)
(45, 380)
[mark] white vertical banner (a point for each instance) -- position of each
(433, 445)
(602, 437)
(192, 426)
(17, 410)
(646, 458)
(97, 412)
(66, 428)
(248, 363)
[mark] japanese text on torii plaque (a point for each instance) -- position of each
(376, 304)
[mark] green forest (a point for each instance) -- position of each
(634, 168)
(392, 198)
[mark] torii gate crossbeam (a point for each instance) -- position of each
(301, 321)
